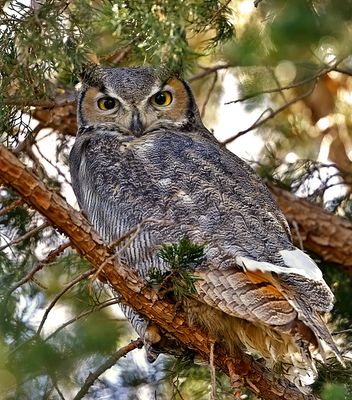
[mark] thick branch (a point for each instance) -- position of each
(258, 379)
(327, 235)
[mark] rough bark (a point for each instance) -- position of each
(255, 377)
(327, 235)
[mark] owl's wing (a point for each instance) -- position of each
(272, 295)
(77, 164)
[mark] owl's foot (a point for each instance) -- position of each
(152, 337)
(156, 341)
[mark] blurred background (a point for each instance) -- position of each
(273, 81)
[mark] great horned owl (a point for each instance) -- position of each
(143, 153)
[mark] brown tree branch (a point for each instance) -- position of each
(325, 234)
(207, 71)
(133, 290)
(61, 118)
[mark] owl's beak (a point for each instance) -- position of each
(136, 125)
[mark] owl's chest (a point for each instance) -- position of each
(139, 178)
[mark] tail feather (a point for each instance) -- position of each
(318, 326)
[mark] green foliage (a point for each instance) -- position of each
(158, 32)
(294, 30)
(182, 255)
(182, 258)
(30, 359)
(43, 48)
(332, 391)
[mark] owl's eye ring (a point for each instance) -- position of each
(161, 99)
(107, 103)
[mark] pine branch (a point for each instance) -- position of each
(133, 290)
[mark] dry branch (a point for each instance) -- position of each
(144, 300)
(272, 113)
(327, 235)
(26, 236)
(110, 362)
(11, 207)
(50, 258)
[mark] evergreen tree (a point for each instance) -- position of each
(292, 66)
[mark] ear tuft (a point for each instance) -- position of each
(90, 74)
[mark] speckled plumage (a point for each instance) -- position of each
(256, 290)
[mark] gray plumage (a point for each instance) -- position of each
(141, 161)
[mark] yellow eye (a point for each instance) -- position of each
(107, 103)
(162, 99)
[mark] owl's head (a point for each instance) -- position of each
(136, 101)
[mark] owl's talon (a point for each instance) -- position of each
(152, 337)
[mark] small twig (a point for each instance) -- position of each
(61, 293)
(110, 362)
(135, 230)
(272, 114)
(98, 307)
(343, 331)
(12, 206)
(209, 94)
(178, 391)
(257, 2)
(24, 102)
(255, 124)
(299, 237)
(276, 80)
(343, 71)
(57, 389)
(218, 11)
(50, 258)
(117, 56)
(323, 70)
(26, 236)
(212, 372)
(99, 270)
(207, 71)
(29, 140)
(274, 90)
(53, 165)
